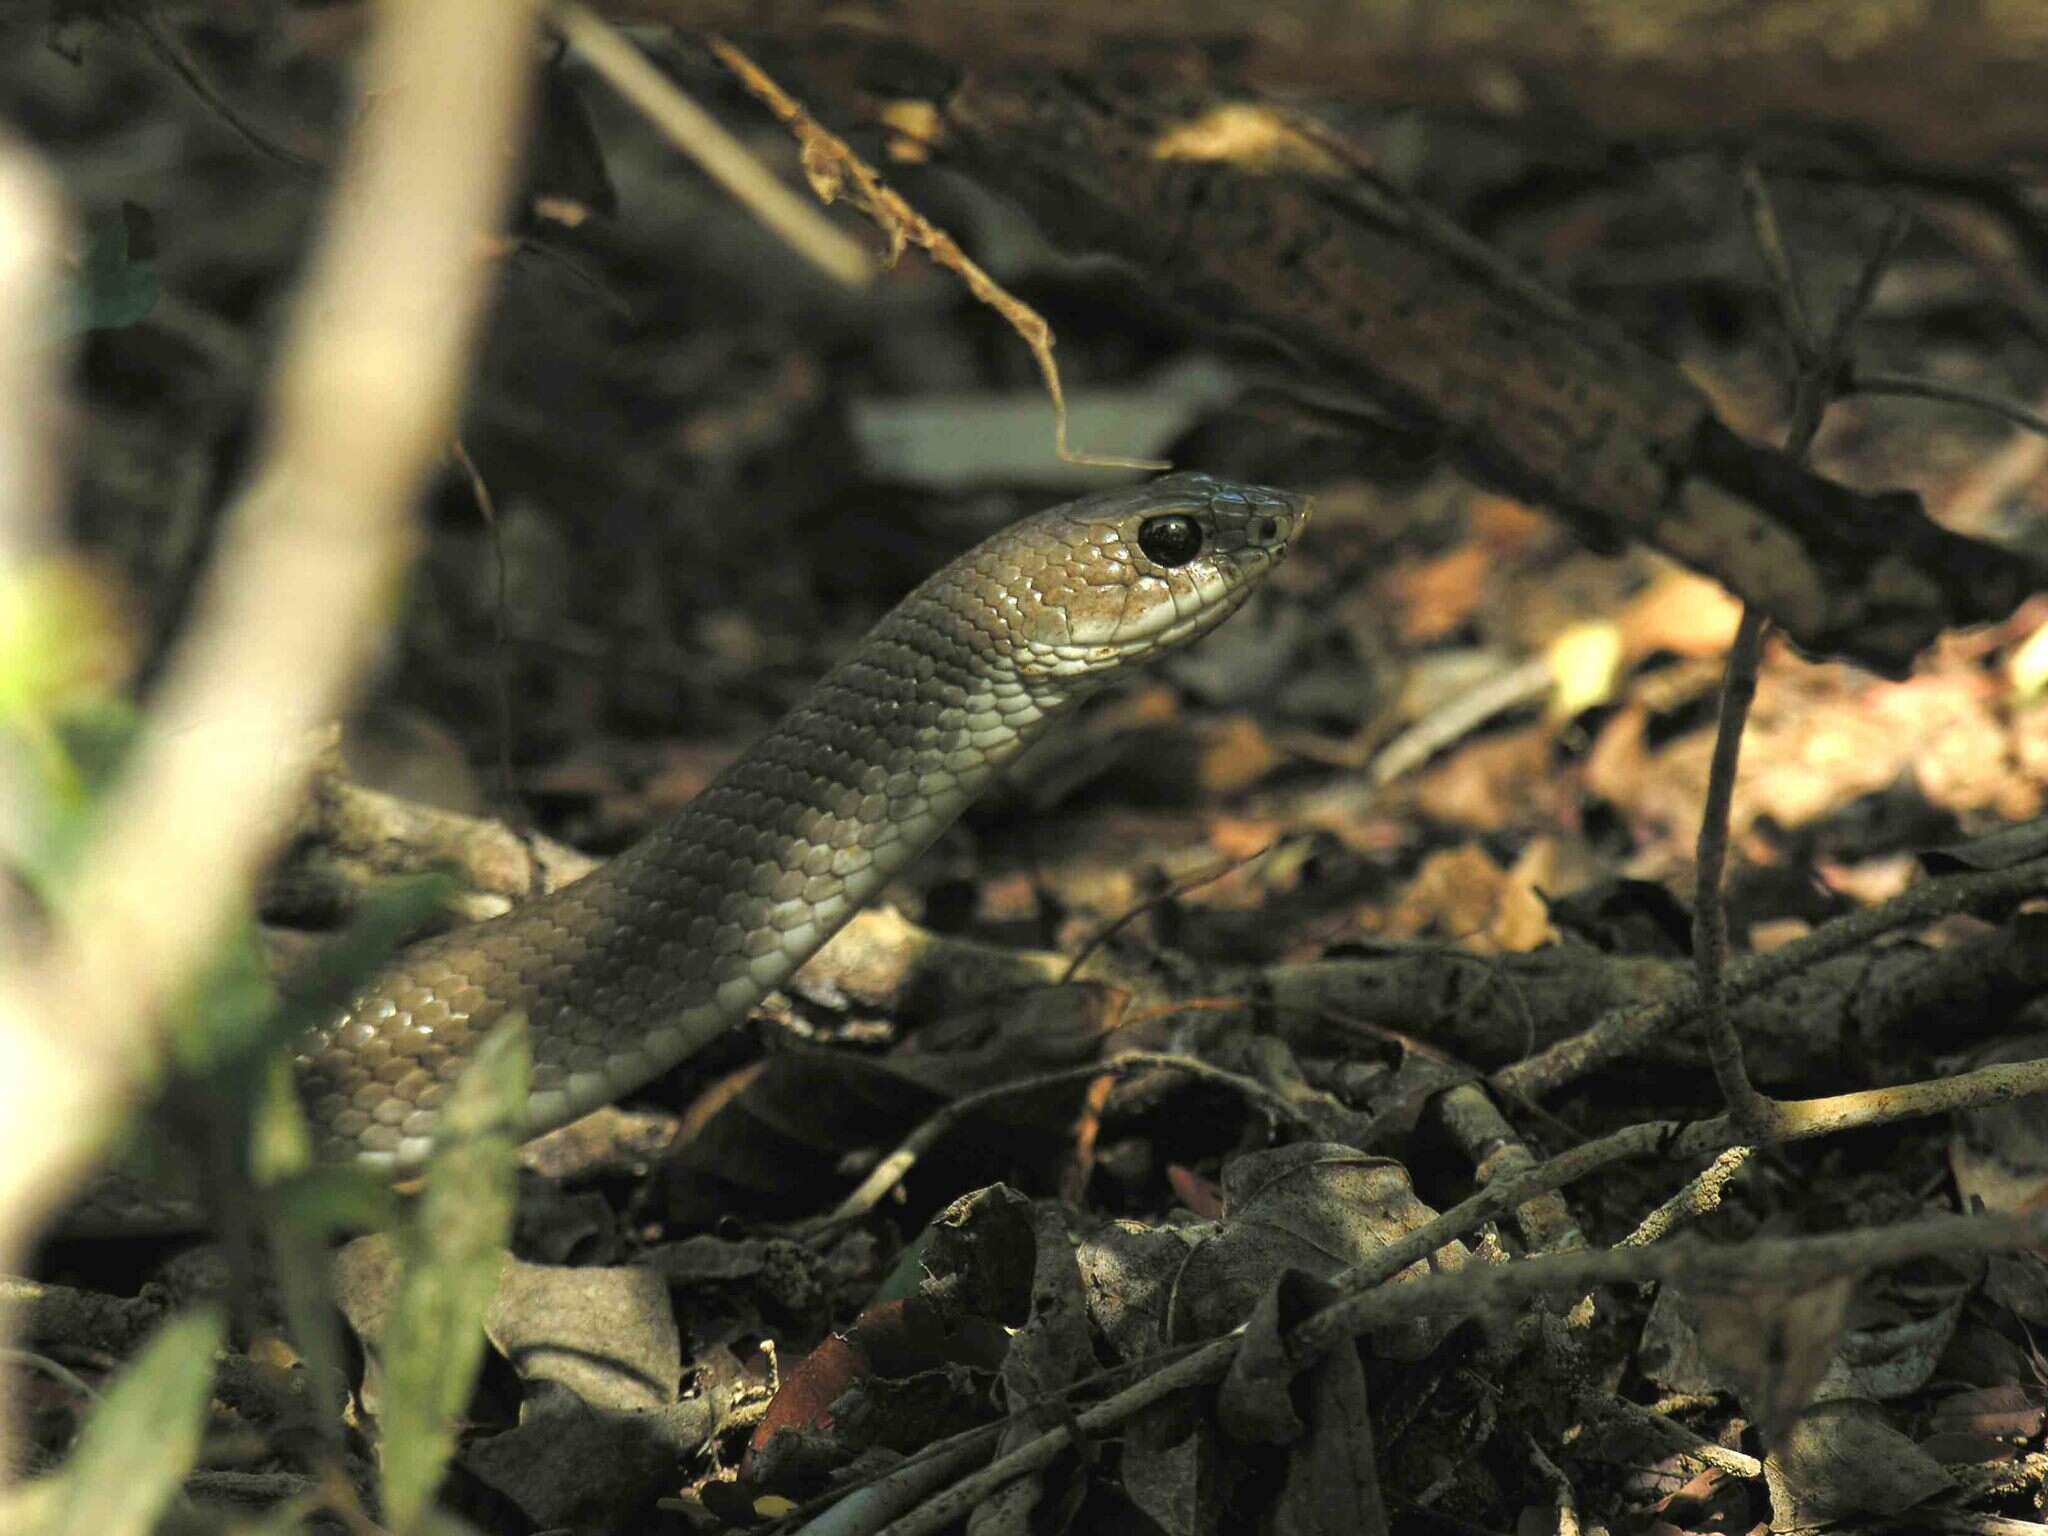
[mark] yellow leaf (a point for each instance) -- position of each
(1586, 662)
(2028, 667)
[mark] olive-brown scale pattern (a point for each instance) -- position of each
(627, 971)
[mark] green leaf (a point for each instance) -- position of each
(143, 1439)
(116, 286)
(453, 1249)
(907, 1273)
(304, 1215)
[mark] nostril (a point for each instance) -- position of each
(1269, 529)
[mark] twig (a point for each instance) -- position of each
(171, 51)
(1762, 215)
(1368, 1305)
(1624, 1030)
(501, 657)
(1497, 1151)
(1855, 381)
(1820, 360)
(1700, 1196)
(1561, 1489)
(1596, 1404)
(704, 139)
(890, 1170)
(833, 167)
(1710, 913)
(1177, 888)
(29, 1360)
(1480, 1287)
(1460, 716)
(312, 550)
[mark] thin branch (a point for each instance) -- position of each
(1820, 360)
(516, 820)
(170, 50)
(1486, 1287)
(1700, 1196)
(796, 221)
(1762, 215)
(889, 1172)
(1177, 889)
(1369, 1303)
(1623, 1031)
(1497, 1151)
(1710, 912)
(1856, 382)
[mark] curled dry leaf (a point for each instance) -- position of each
(1315, 1207)
(1840, 1459)
(1462, 895)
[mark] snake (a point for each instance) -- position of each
(627, 971)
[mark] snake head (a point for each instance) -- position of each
(1125, 574)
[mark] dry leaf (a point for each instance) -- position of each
(1436, 597)
(1773, 1342)
(1681, 614)
(1235, 756)
(1463, 895)
(1487, 784)
(1585, 661)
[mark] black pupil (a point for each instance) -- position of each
(1170, 540)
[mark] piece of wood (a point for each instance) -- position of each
(1371, 290)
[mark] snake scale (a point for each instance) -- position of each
(628, 970)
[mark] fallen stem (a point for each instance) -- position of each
(1857, 382)
(1621, 1031)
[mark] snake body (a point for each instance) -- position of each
(627, 971)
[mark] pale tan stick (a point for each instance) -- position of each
(312, 554)
(723, 158)
(32, 300)
(1700, 1196)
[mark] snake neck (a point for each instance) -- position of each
(636, 966)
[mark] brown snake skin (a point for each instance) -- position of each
(630, 969)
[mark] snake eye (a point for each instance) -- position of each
(1170, 540)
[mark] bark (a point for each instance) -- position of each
(1955, 83)
(1372, 291)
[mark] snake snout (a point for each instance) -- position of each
(1154, 567)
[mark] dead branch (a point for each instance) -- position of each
(1366, 284)
(1938, 84)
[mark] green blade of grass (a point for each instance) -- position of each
(453, 1248)
(143, 1438)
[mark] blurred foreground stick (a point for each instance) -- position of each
(1254, 223)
